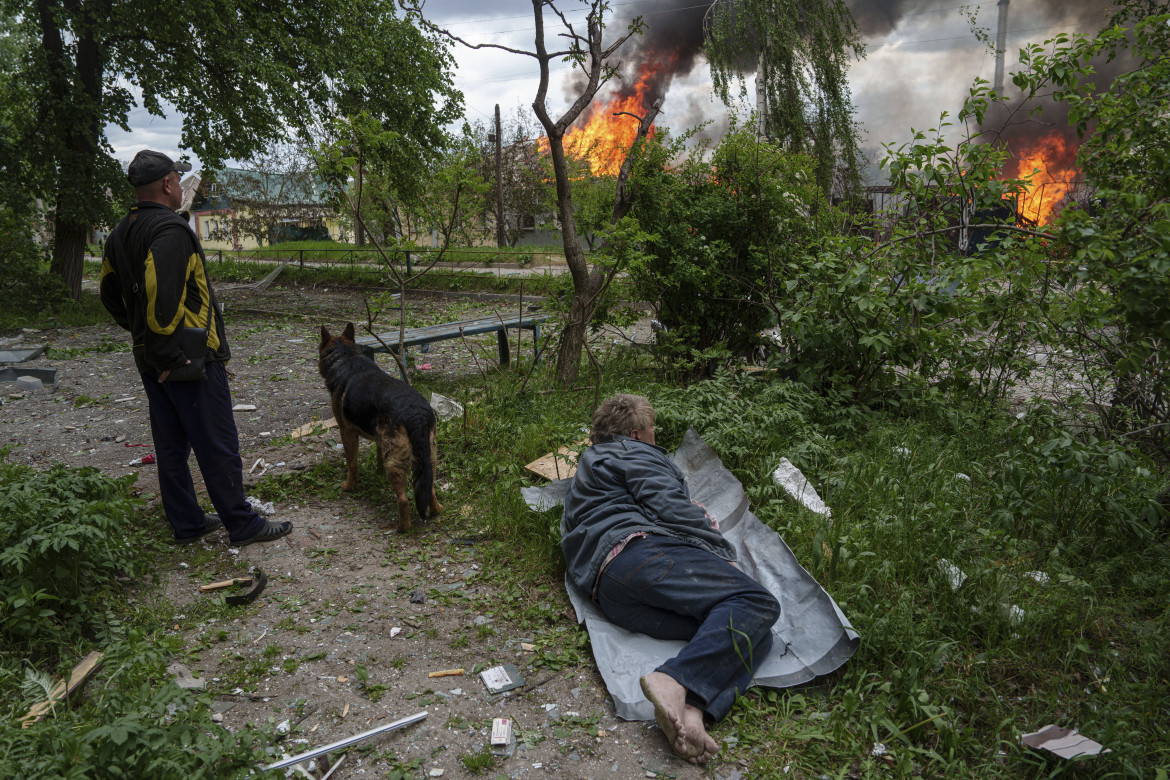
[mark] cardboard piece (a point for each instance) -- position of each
(64, 689)
(561, 464)
(308, 428)
(1066, 743)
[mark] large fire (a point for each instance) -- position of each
(607, 135)
(1048, 165)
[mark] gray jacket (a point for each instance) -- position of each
(624, 486)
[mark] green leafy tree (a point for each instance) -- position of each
(241, 73)
(1111, 302)
(800, 52)
(723, 232)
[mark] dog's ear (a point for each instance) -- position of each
(348, 335)
(325, 337)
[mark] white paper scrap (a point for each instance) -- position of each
(953, 573)
(791, 479)
(1066, 743)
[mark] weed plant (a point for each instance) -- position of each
(72, 550)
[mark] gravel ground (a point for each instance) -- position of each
(338, 602)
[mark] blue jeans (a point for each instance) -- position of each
(669, 589)
(186, 416)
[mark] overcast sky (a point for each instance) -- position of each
(921, 59)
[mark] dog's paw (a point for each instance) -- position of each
(347, 485)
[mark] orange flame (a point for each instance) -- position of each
(1047, 165)
(607, 135)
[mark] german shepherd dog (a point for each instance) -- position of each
(368, 402)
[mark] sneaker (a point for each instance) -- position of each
(211, 524)
(270, 532)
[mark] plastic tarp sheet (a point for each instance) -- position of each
(811, 638)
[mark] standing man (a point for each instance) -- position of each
(656, 563)
(154, 283)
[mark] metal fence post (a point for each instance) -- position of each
(301, 252)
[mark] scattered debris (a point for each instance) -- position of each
(561, 464)
(21, 355)
(446, 408)
(145, 460)
(342, 743)
(447, 673)
(1039, 576)
(244, 408)
(503, 740)
(792, 480)
(501, 678)
(318, 426)
(258, 580)
(962, 476)
(417, 597)
(48, 376)
(63, 689)
(29, 384)
(903, 451)
(953, 573)
(1066, 743)
(184, 679)
(225, 584)
(259, 507)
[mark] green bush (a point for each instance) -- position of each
(65, 536)
(721, 233)
(26, 286)
(133, 723)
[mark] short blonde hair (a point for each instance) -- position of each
(620, 414)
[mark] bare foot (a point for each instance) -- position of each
(702, 745)
(669, 698)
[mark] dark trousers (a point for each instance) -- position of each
(672, 590)
(186, 416)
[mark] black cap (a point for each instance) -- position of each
(151, 166)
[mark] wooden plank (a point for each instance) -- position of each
(561, 464)
(225, 584)
(64, 689)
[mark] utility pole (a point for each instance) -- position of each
(1000, 45)
(499, 184)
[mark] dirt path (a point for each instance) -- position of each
(354, 617)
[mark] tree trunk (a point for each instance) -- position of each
(68, 253)
(585, 284)
(573, 340)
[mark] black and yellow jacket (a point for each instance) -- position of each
(154, 281)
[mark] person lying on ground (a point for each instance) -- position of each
(655, 562)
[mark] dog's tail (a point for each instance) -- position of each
(421, 431)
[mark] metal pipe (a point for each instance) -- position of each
(1001, 45)
(341, 743)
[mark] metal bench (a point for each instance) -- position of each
(452, 330)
